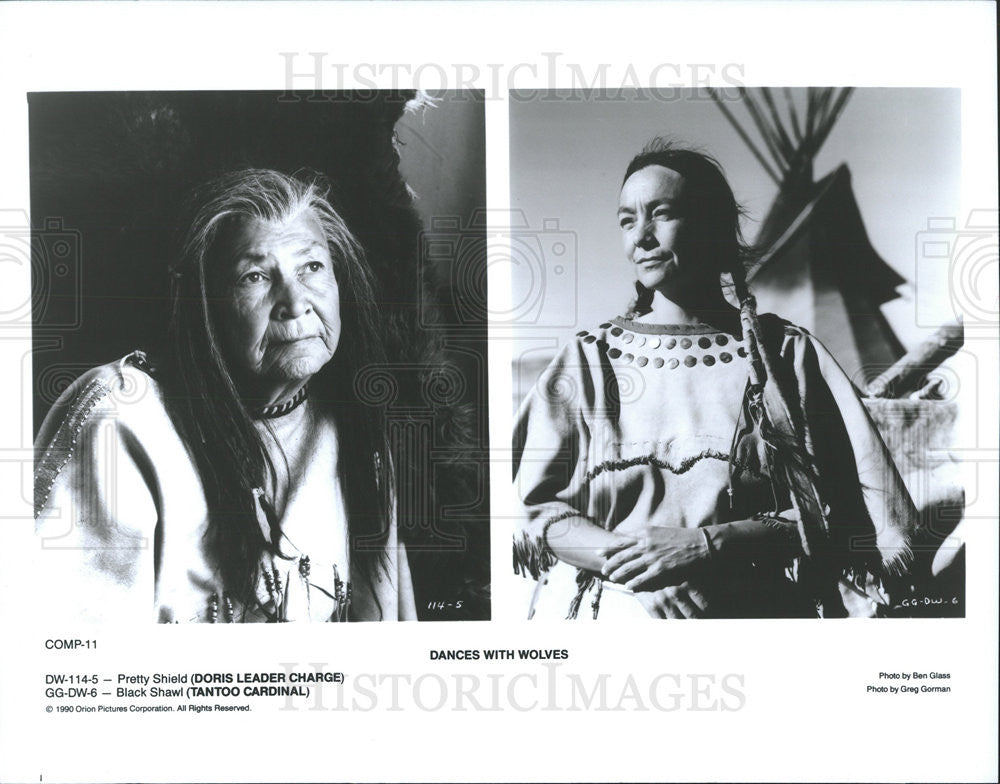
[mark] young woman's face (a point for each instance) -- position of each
(280, 310)
(656, 234)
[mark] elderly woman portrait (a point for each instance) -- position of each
(252, 397)
(689, 459)
(238, 477)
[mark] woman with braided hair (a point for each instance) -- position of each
(690, 459)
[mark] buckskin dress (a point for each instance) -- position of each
(636, 424)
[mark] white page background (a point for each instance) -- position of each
(803, 712)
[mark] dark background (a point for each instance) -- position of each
(108, 173)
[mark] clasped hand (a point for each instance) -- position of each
(655, 558)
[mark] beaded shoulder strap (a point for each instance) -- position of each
(56, 454)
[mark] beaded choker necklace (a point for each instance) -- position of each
(280, 409)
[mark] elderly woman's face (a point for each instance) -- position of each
(656, 235)
(281, 305)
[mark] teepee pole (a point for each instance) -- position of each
(811, 99)
(786, 142)
(796, 128)
(831, 118)
(822, 105)
(764, 131)
(744, 137)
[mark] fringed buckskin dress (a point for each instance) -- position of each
(636, 424)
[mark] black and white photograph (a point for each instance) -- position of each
(732, 401)
(544, 325)
(248, 405)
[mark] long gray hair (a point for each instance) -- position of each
(215, 421)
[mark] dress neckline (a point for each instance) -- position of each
(645, 328)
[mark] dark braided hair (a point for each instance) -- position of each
(709, 207)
